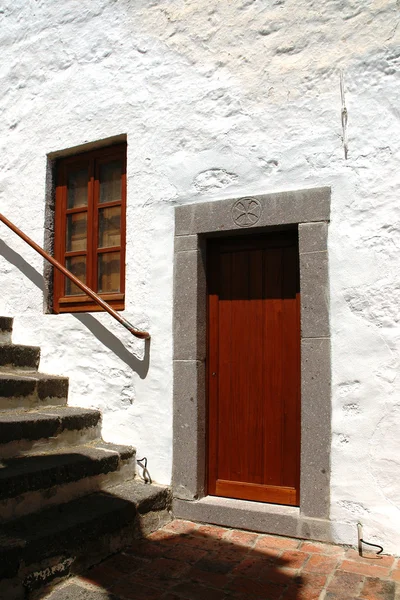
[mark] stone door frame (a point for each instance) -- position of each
(309, 210)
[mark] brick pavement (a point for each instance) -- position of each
(189, 561)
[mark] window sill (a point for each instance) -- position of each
(82, 303)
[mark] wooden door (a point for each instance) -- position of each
(254, 368)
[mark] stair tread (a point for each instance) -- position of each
(37, 525)
(30, 413)
(20, 346)
(6, 323)
(124, 451)
(38, 471)
(44, 422)
(17, 383)
(140, 493)
(61, 527)
(41, 545)
(8, 372)
(19, 355)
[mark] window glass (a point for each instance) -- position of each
(110, 227)
(109, 265)
(110, 181)
(77, 266)
(76, 232)
(77, 188)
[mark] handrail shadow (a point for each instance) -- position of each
(140, 366)
(111, 341)
(16, 259)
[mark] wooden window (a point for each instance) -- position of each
(90, 228)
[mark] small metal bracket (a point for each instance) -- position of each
(142, 462)
(361, 542)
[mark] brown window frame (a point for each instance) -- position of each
(92, 160)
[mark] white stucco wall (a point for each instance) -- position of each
(217, 99)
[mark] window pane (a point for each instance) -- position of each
(77, 188)
(76, 232)
(110, 227)
(77, 266)
(110, 181)
(109, 272)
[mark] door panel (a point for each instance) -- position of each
(253, 368)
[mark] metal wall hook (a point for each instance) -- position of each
(142, 462)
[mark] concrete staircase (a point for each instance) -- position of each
(67, 498)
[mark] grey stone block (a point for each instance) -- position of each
(52, 387)
(73, 417)
(146, 497)
(17, 384)
(12, 589)
(44, 471)
(72, 591)
(12, 386)
(313, 237)
(254, 516)
(315, 427)
(314, 285)
(189, 429)
(299, 206)
(19, 356)
(125, 452)
(78, 532)
(240, 514)
(189, 306)
(29, 426)
(6, 324)
(152, 521)
(45, 423)
(183, 243)
(315, 529)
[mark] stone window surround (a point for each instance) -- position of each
(309, 210)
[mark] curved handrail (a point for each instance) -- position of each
(144, 335)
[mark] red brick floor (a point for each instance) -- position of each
(188, 561)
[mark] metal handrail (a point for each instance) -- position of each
(144, 335)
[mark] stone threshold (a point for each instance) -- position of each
(257, 516)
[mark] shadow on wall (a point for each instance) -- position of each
(22, 265)
(140, 366)
(108, 339)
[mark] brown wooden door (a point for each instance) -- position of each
(254, 368)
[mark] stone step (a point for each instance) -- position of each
(69, 538)
(16, 355)
(46, 429)
(21, 388)
(32, 482)
(6, 324)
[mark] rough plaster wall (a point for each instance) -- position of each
(218, 99)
